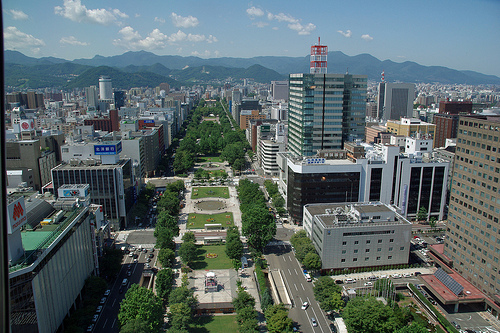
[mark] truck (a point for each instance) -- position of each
(307, 276)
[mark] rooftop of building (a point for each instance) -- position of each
(97, 165)
(37, 240)
(359, 214)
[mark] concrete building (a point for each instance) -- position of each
(409, 180)
(279, 90)
(324, 111)
(50, 260)
(355, 235)
(474, 210)
(113, 183)
(410, 127)
(105, 88)
(395, 100)
(446, 120)
(91, 96)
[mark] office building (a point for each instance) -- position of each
(410, 127)
(51, 254)
(113, 183)
(395, 100)
(108, 124)
(279, 90)
(446, 120)
(91, 96)
(472, 242)
(409, 180)
(105, 88)
(324, 111)
(356, 235)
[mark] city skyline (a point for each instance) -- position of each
(432, 33)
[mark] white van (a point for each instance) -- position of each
(349, 280)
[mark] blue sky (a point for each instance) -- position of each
(454, 33)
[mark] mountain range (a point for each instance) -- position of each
(142, 68)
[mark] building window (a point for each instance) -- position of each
(402, 248)
(379, 249)
(342, 260)
(343, 251)
(368, 241)
(378, 258)
(391, 240)
(390, 249)
(367, 250)
(379, 241)
(344, 243)
(367, 258)
(354, 259)
(356, 251)
(389, 257)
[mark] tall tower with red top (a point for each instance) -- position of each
(319, 55)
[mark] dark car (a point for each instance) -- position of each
(333, 328)
(339, 281)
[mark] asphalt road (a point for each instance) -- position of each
(282, 257)
(108, 319)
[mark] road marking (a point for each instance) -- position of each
(316, 317)
(114, 321)
(289, 272)
(296, 271)
(295, 287)
(113, 303)
(284, 259)
(105, 323)
(290, 258)
(302, 287)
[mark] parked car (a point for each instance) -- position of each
(305, 305)
(368, 284)
(313, 321)
(90, 328)
(333, 328)
(107, 292)
(103, 300)
(339, 281)
(94, 319)
(99, 309)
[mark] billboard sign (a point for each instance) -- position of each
(108, 149)
(315, 161)
(17, 215)
(27, 125)
(149, 121)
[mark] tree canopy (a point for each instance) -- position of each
(141, 303)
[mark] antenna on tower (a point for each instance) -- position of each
(319, 54)
(383, 76)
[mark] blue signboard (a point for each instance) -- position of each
(149, 121)
(110, 149)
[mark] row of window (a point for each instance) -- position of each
(480, 126)
(368, 241)
(379, 249)
(366, 259)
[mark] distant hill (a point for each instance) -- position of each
(338, 62)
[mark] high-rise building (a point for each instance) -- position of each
(91, 95)
(279, 90)
(395, 100)
(105, 88)
(472, 241)
(447, 120)
(324, 111)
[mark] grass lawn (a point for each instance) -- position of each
(198, 221)
(204, 159)
(222, 261)
(215, 324)
(210, 192)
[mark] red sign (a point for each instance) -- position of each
(18, 211)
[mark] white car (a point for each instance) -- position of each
(396, 276)
(368, 284)
(305, 305)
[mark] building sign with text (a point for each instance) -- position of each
(17, 215)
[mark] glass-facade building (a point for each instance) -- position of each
(325, 110)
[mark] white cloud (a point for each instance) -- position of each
(203, 54)
(293, 23)
(75, 11)
(15, 39)
(260, 24)
(367, 37)
(255, 12)
(347, 34)
(131, 39)
(18, 15)
(71, 40)
(302, 29)
(158, 19)
(184, 22)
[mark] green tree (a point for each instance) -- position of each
(234, 249)
(180, 316)
(166, 257)
(243, 300)
(163, 282)
(432, 223)
(312, 261)
(169, 202)
(422, 214)
(249, 326)
(164, 238)
(111, 263)
(182, 294)
(189, 237)
(188, 252)
(167, 221)
(245, 314)
(258, 226)
(368, 315)
(327, 293)
(413, 328)
(135, 326)
(141, 303)
(279, 322)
